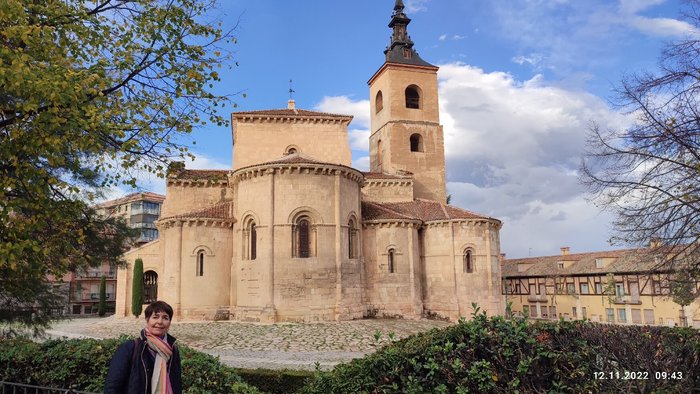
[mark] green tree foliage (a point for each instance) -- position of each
(495, 355)
(648, 174)
(102, 306)
(83, 364)
(137, 288)
(91, 94)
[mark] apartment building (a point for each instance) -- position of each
(140, 210)
(618, 286)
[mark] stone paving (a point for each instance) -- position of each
(271, 346)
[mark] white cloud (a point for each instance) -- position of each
(413, 6)
(661, 27)
(361, 163)
(513, 150)
(443, 37)
(635, 6)
(346, 106)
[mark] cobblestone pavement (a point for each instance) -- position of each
(272, 346)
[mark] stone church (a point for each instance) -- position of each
(294, 233)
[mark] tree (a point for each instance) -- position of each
(648, 174)
(91, 95)
(102, 306)
(137, 288)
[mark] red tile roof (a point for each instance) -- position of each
(286, 113)
(424, 210)
(620, 261)
(199, 174)
(219, 211)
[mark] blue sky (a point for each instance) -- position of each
(520, 83)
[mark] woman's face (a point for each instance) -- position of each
(158, 323)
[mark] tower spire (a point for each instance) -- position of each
(400, 49)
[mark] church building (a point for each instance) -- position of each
(293, 233)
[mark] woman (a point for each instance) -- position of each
(151, 363)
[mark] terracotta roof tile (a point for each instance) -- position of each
(424, 210)
(218, 211)
(288, 113)
(199, 174)
(618, 261)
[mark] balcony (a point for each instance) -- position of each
(96, 275)
(627, 299)
(79, 297)
(537, 298)
(145, 211)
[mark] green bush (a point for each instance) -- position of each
(496, 355)
(82, 365)
(275, 382)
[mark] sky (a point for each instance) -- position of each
(520, 84)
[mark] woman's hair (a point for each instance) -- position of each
(158, 306)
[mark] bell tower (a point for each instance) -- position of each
(407, 137)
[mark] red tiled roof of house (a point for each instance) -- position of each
(147, 196)
(419, 209)
(289, 113)
(619, 261)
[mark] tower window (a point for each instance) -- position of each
(407, 54)
(413, 97)
(352, 239)
(468, 261)
(200, 263)
(392, 262)
(379, 102)
(416, 143)
(303, 238)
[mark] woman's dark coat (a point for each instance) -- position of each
(131, 368)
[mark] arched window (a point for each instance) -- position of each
(352, 239)
(200, 263)
(303, 237)
(379, 102)
(468, 261)
(392, 262)
(253, 241)
(379, 155)
(290, 151)
(413, 97)
(416, 143)
(150, 287)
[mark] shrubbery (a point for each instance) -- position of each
(82, 365)
(495, 355)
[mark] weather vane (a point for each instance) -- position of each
(291, 91)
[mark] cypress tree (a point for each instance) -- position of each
(101, 308)
(137, 289)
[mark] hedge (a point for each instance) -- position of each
(496, 355)
(81, 364)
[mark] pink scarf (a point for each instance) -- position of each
(160, 382)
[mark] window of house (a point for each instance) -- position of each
(573, 311)
(533, 310)
(468, 261)
(253, 241)
(622, 315)
(584, 288)
(379, 102)
(648, 316)
(412, 97)
(619, 290)
(610, 315)
(543, 289)
(416, 143)
(391, 257)
(599, 288)
(583, 312)
(599, 263)
(560, 265)
(553, 312)
(570, 288)
(200, 263)
(637, 316)
(150, 287)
